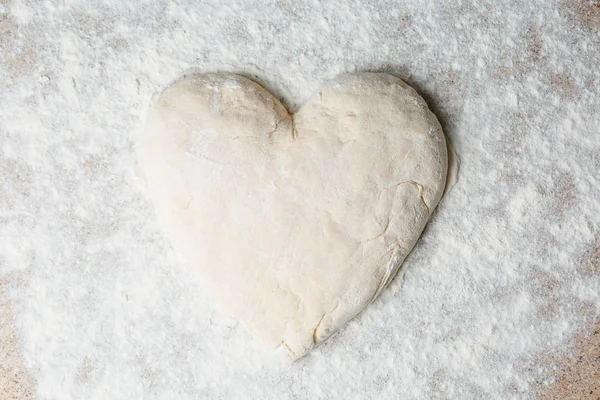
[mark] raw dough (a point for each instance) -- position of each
(296, 223)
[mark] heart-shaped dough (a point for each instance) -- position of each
(295, 222)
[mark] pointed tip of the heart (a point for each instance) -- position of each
(287, 354)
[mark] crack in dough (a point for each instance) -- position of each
(314, 335)
(290, 353)
(316, 330)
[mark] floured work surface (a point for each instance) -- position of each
(498, 282)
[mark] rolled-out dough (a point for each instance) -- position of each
(295, 222)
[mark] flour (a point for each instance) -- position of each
(492, 285)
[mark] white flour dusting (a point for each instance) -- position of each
(108, 310)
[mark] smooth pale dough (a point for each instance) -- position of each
(295, 222)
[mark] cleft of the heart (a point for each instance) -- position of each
(294, 223)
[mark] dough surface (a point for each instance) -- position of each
(294, 223)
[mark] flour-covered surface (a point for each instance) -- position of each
(502, 278)
(578, 374)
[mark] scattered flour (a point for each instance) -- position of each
(499, 277)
